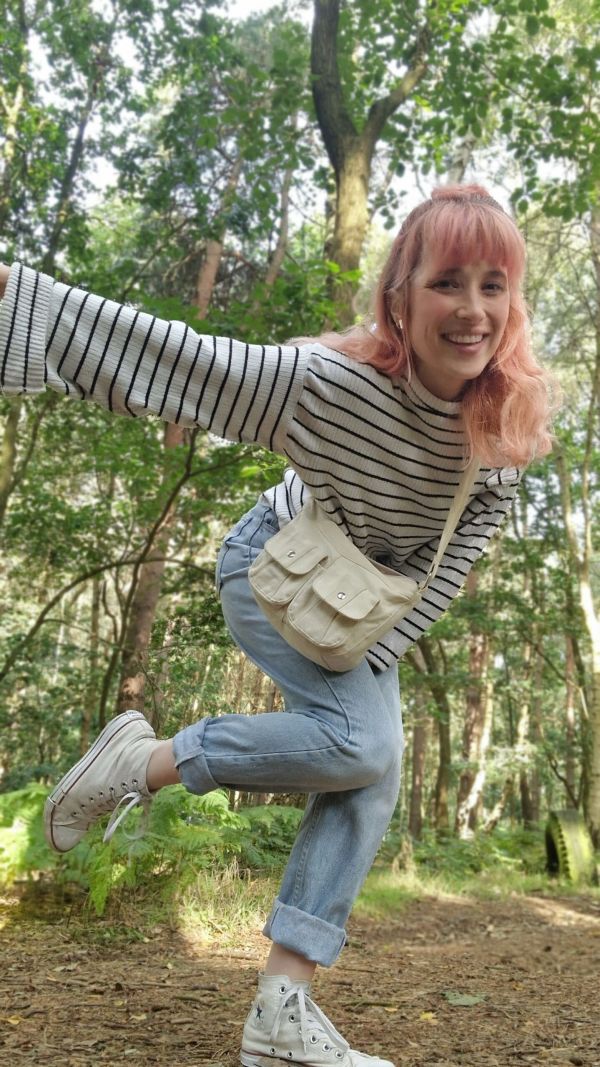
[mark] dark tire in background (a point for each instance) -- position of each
(569, 848)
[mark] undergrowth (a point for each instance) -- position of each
(188, 839)
(201, 865)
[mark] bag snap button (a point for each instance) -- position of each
(290, 554)
(341, 596)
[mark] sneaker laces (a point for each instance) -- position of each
(117, 817)
(310, 1015)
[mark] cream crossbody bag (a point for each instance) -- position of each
(325, 597)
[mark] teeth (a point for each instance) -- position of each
(465, 339)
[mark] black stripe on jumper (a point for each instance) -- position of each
(356, 452)
(13, 320)
(255, 392)
(120, 361)
(334, 478)
(398, 441)
(138, 364)
(402, 502)
(192, 367)
(270, 396)
(71, 338)
(339, 387)
(367, 381)
(30, 329)
(224, 380)
(186, 330)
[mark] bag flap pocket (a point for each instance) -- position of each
(345, 592)
(295, 558)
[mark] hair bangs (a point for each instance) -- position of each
(454, 235)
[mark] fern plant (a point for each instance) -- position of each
(187, 834)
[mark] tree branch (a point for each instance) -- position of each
(381, 110)
(125, 561)
(332, 114)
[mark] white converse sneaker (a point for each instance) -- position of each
(284, 1024)
(112, 772)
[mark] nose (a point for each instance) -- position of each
(471, 305)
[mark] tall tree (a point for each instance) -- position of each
(405, 86)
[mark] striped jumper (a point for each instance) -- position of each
(382, 456)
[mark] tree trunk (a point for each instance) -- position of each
(529, 735)
(523, 741)
(581, 562)
(352, 214)
(590, 609)
(75, 159)
(472, 806)
(421, 730)
(12, 470)
(276, 260)
(214, 246)
(498, 810)
(461, 156)
(350, 151)
(90, 703)
(570, 724)
(11, 111)
(435, 680)
(475, 720)
(536, 734)
(142, 611)
(8, 453)
(154, 708)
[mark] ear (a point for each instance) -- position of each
(394, 311)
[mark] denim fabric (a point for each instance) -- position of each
(339, 739)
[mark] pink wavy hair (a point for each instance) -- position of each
(507, 409)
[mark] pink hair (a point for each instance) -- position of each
(506, 410)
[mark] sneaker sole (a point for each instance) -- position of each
(253, 1059)
(62, 790)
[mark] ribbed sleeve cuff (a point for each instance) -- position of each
(23, 326)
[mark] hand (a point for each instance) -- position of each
(3, 278)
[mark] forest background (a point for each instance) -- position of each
(246, 176)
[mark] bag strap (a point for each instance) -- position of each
(463, 491)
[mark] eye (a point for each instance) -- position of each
(444, 283)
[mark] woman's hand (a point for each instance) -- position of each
(3, 278)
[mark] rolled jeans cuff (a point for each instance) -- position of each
(190, 759)
(306, 934)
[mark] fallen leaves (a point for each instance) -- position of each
(434, 1000)
(464, 1000)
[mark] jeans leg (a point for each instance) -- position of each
(340, 739)
(333, 853)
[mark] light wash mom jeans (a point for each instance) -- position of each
(339, 739)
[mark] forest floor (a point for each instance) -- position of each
(85, 994)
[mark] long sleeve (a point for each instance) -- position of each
(53, 335)
(480, 520)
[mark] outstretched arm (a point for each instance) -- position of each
(53, 335)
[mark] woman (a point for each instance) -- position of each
(377, 425)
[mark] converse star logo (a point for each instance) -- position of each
(258, 1012)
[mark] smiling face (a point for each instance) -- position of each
(457, 317)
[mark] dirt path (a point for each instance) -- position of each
(171, 1001)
